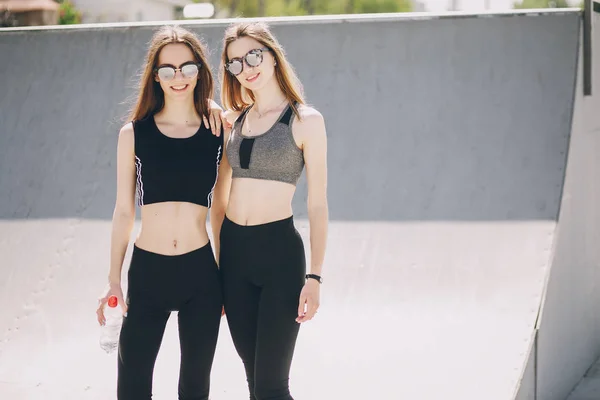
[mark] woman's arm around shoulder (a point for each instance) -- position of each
(220, 195)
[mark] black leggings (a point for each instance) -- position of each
(263, 271)
(158, 284)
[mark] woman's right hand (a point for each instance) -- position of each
(112, 289)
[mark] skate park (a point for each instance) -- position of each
(462, 259)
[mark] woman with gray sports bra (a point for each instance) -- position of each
(267, 291)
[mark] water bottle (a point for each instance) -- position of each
(110, 331)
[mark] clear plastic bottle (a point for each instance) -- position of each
(110, 331)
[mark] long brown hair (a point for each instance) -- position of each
(151, 98)
(233, 95)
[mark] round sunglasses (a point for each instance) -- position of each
(253, 58)
(188, 70)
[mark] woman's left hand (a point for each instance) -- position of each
(215, 119)
(309, 301)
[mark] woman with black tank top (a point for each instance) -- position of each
(168, 158)
(266, 290)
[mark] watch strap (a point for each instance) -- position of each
(314, 276)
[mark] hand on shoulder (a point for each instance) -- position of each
(231, 116)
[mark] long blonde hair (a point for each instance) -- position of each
(233, 95)
(151, 98)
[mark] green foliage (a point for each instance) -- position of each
(524, 4)
(68, 14)
(258, 8)
(377, 6)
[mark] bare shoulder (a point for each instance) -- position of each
(126, 134)
(126, 129)
(309, 113)
(311, 121)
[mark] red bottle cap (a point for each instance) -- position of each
(113, 301)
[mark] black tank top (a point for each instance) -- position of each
(170, 169)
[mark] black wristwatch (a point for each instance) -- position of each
(316, 277)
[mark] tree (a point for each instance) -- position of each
(68, 14)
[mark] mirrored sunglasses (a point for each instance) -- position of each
(253, 58)
(167, 73)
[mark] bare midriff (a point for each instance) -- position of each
(172, 228)
(256, 201)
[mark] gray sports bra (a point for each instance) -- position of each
(272, 155)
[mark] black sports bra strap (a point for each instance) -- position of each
(288, 115)
(242, 114)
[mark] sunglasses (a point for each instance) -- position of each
(188, 70)
(253, 58)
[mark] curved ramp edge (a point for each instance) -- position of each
(569, 328)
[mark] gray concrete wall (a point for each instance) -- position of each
(569, 331)
(427, 120)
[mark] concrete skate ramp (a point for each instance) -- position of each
(448, 141)
(568, 329)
